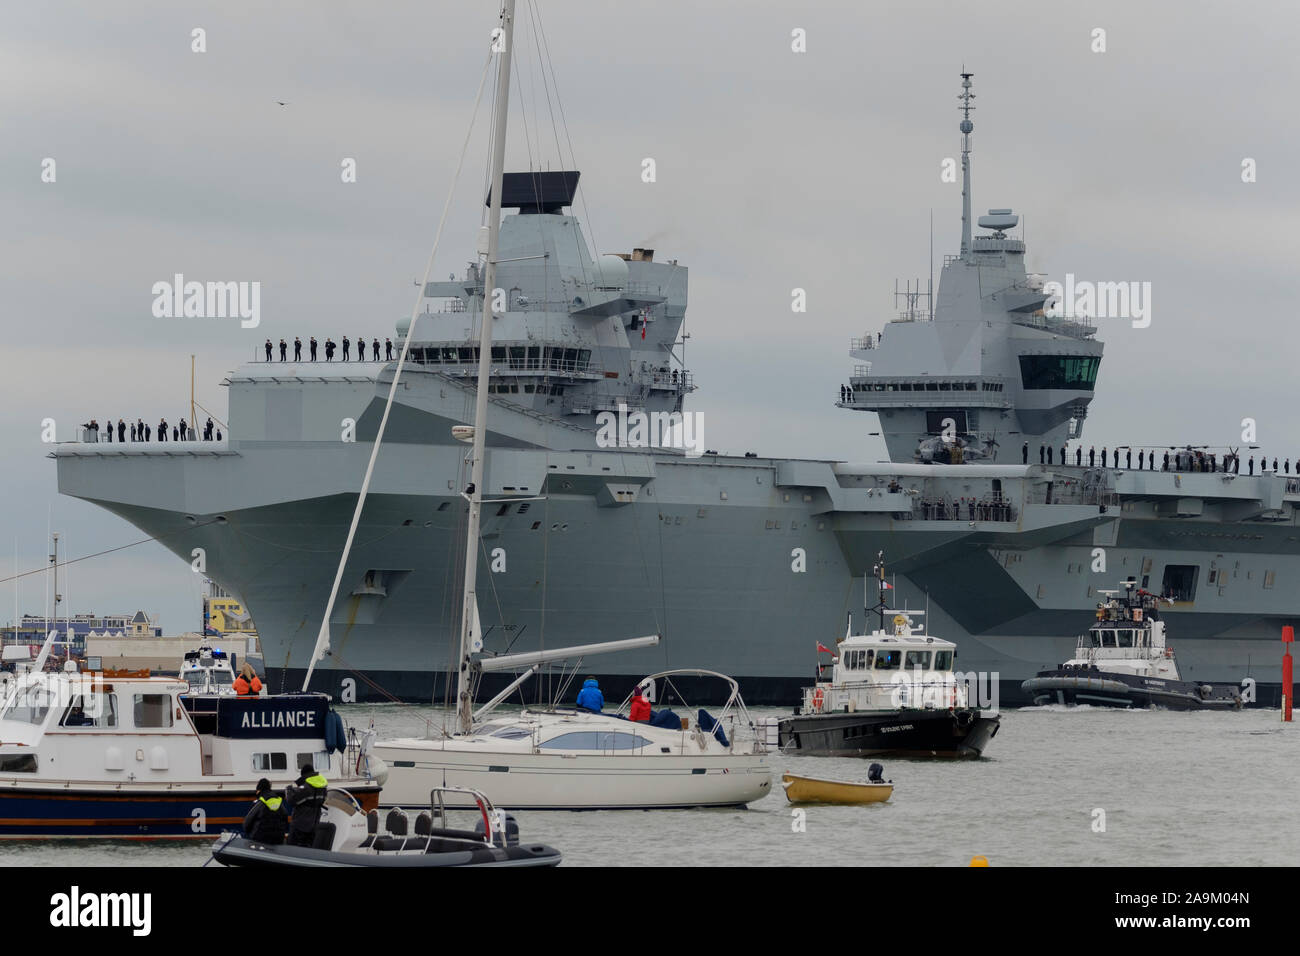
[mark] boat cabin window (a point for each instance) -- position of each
(1108, 638)
(506, 731)
(943, 660)
(1126, 638)
(596, 740)
(857, 660)
(919, 659)
(153, 710)
(888, 660)
(321, 759)
(263, 762)
(100, 710)
(1094, 638)
(18, 763)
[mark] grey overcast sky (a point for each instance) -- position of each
(776, 170)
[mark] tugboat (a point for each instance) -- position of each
(892, 692)
(1123, 661)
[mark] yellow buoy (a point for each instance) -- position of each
(979, 861)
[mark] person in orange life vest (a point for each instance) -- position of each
(640, 706)
(247, 683)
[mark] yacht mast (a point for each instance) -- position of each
(469, 628)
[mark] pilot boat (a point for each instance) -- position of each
(892, 692)
(125, 755)
(1123, 660)
(347, 836)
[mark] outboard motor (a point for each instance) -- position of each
(511, 829)
(876, 773)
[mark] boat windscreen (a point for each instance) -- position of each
(888, 660)
(28, 704)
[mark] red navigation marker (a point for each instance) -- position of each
(1288, 638)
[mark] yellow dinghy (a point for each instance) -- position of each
(811, 790)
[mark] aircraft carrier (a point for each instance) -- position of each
(742, 563)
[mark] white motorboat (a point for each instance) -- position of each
(208, 670)
(579, 760)
(123, 755)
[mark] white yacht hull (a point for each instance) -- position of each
(561, 781)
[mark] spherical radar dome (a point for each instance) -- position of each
(610, 272)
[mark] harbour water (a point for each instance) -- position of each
(1173, 789)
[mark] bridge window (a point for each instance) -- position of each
(887, 660)
(919, 659)
(943, 660)
(1126, 638)
(1059, 371)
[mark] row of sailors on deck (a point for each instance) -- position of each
(1187, 459)
(330, 348)
(969, 509)
(139, 431)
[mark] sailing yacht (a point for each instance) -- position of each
(554, 759)
(579, 760)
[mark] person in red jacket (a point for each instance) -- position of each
(247, 683)
(640, 707)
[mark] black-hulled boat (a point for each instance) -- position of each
(892, 692)
(1122, 660)
(347, 836)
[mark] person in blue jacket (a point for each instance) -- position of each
(590, 697)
